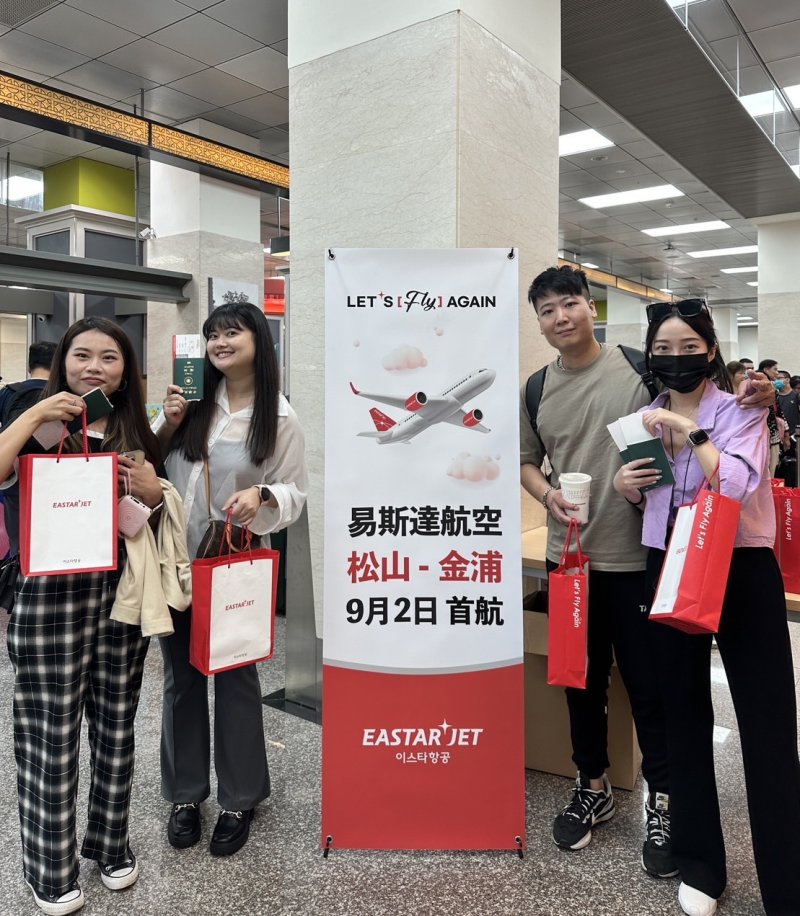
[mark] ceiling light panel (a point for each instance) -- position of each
(582, 141)
(637, 196)
(739, 270)
(686, 228)
(720, 252)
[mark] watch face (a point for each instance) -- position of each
(698, 437)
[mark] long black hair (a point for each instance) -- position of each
(127, 426)
(703, 325)
(191, 437)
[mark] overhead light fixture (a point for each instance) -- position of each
(742, 318)
(679, 3)
(279, 247)
(589, 265)
(738, 270)
(720, 252)
(752, 282)
(688, 227)
(638, 196)
(665, 290)
(582, 141)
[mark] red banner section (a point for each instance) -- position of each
(410, 765)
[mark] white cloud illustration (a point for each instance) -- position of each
(475, 468)
(404, 357)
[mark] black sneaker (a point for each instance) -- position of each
(657, 848)
(572, 828)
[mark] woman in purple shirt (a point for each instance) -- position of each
(703, 429)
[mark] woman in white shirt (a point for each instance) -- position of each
(251, 440)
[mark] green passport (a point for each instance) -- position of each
(651, 448)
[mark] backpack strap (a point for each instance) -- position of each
(637, 360)
(533, 397)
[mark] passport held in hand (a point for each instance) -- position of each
(634, 441)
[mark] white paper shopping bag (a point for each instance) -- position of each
(233, 610)
(68, 513)
(670, 581)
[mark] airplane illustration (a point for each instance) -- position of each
(423, 411)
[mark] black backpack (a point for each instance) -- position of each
(17, 397)
(535, 385)
(7, 393)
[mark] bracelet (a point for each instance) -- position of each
(546, 493)
(641, 499)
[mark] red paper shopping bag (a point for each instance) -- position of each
(694, 577)
(68, 511)
(233, 609)
(568, 589)
(787, 535)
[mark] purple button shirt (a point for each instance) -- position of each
(742, 438)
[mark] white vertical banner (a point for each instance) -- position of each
(423, 737)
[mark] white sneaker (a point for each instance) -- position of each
(70, 902)
(118, 877)
(694, 902)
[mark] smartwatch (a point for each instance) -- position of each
(264, 492)
(698, 437)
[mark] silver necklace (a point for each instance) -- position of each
(560, 362)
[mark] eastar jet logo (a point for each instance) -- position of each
(423, 299)
(444, 735)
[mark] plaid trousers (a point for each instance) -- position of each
(68, 656)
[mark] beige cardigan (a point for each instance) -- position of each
(158, 572)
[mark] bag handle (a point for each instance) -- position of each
(85, 436)
(227, 537)
(126, 477)
(706, 484)
(572, 529)
(207, 478)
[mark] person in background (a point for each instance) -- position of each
(69, 657)
(789, 402)
(249, 440)
(737, 373)
(708, 438)
(770, 368)
(747, 362)
(23, 395)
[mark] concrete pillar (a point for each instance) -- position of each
(626, 321)
(727, 332)
(205, 227)
(779, 289)
(425, 124)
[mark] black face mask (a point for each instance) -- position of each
(681, 373)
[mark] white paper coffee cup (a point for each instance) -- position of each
(575, 487)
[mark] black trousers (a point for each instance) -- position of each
(240, 756)
(754, 645)
(618, 627)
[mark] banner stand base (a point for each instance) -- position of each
(328, 845)
(278, 700)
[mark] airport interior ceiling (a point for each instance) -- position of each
(225, 61)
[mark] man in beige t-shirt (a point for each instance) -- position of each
(585, 388)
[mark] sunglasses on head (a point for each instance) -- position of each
(686, 308)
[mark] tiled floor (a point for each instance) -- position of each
(281, 870)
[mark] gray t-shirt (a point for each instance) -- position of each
(576, 406)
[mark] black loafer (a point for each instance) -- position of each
(231, 832)
(183, 829)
